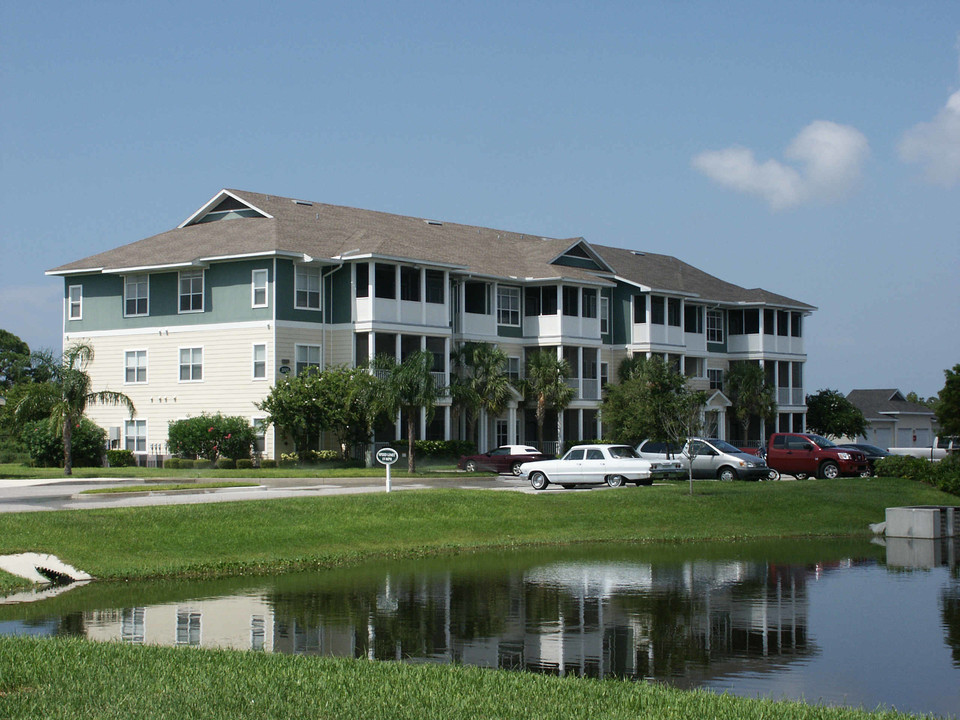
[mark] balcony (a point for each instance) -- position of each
(790, 396)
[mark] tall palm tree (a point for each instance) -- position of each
(71, 387)
(408, 388)
(747, 389)
(545, 385)
(481, 384)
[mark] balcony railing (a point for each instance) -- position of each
(439, 378)
(790, 396)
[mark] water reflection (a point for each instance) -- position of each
(736, 618)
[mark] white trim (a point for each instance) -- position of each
(296, 348)
(179, 366)
(81, 271)
(168, 329)
(518, 309)
(215, 200)
(605, 266)
(70, 303)
(124, 296)
(266, 288)
(146, 435)
(145, 269)
(146, 367)
(253, 365)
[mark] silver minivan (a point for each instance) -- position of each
(712, 458)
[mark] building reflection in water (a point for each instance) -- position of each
(684, 622)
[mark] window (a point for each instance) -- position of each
(715, 326)
(541, 301)
(307, 288)
(475, 298)
(434, 281)
(259, 288)
(795, 324)
(769, 323)
(656, 309)
(604, 374)
(673, 312)
(409, 283)
(135, 291)
(501, 432)
(693, 319)
(588, 303)
(604, 315)
(191, 291)
(735, 322)
(188, 628)
(191, 364)
(783, 323)
(716, 379)
(307, 356)
(362, 281)
(571, 301)
(693, 367)
(135, 435)
(259, 435)
(640, 309)
(259, 362)
(75, 302)
(751, 321)
(513, 369)
(508, 306)
(385, 281)
(132, 626)
(135, 366)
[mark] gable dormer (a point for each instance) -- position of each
(581, 255)
(224, 206)
(896, 397)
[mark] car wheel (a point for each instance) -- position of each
(801, 476)
(471, 466)
(538, 481)
(727, 474)
(773, 474)
(829, 470)
(866, 473)
(615, 480)
(567, 486)
(515, 468)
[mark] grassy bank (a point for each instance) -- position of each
(68, 678)
(225, 539)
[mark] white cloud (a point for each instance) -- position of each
(829, 157)
(936, 144)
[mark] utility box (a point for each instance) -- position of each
(929, 522)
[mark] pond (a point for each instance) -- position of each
(842, 622)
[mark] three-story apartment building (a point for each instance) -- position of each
(251, 288)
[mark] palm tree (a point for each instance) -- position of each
(749, 393)
(70, 385)
(545, 385)
(481, 384)
(408, 388)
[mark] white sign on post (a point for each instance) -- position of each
(387, 456)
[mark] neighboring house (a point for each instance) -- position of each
(251, 288)
(894, 421)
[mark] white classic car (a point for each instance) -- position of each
(595, 464)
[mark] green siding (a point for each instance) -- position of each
(286, 275)
(621, 313)
(568, 261)
(340, 295)
(227, 298)
(509, 331)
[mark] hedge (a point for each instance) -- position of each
(121, 458)
(45, 444)
(943, 475)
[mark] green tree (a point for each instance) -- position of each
(45, 443)
(948, 403)
(830, 414)
(72, 394)
(348, 405)
(930, 402)
(480, 383)
(545, 385)
(295, 408)
(409, 388)
(749, 394)
(19, 365)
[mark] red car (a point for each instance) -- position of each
(505, 459)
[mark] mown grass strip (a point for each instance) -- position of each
(70, 678)
(223, 539)
(164, 487)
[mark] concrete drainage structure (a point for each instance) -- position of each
(922, 536)
(41, 569)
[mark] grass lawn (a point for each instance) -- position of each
(70, 678)
(163, 487)
(224, 539)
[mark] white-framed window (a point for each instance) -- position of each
(191, 291)
(135, 435)
(191, 364)
(604, 374)
(604, 314)
(307, 356)
(259, 362)
(136, 289)
(508, 305)
(258, 288)
(259, 425)
(715, 326)
(501, 432)
(513, 369)
(693, 366)
(188, 627)
(75, 302)
(307, 288)
(715, 376)
(135, 366)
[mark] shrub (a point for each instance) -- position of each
(268, 464)
(227, 463)
(943, 475)
(121, 458)
(244, 464)
(202, 464)
(45, 445)
(186, 463)
(437, 448)
(172, 464)
(210, 436)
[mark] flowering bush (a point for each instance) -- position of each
(210, 437)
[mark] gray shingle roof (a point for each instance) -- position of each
(876, 403)
(328, 231)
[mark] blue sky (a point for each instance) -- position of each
(810, 148)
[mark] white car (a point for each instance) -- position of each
(712, 459)
(595, 464)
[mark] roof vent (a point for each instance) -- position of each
(433, 222)
(637, 253)
(303, 202)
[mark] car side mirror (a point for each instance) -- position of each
(807, 446)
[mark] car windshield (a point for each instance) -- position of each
(822, 441)
(622, 451)
(723, 446)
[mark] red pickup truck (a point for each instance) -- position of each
(803, 455)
